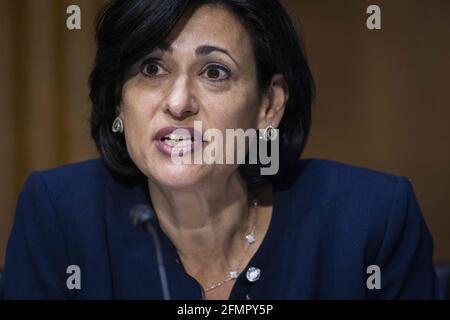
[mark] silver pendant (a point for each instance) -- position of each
(253, 274)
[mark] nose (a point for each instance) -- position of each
(180, 102)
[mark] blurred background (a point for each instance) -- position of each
(383, 96)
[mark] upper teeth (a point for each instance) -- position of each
(177, 137)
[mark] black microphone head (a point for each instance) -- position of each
(141, 215)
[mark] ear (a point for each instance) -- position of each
(273, 102)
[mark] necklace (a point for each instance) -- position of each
(233, 274)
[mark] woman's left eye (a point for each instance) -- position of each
(216, 72)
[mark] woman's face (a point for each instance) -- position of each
(205, 72)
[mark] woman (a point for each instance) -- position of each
(314, 230)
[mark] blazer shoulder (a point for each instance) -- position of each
(357, 198)
(78, 173)
(72, 182)
(57, 212)
(345, 179)
(82, 169)
(371, 218)
(346, 171)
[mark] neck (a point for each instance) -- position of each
(206, 224)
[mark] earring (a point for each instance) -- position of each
(117, 125)
(270, 133)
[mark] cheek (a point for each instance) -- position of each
(137, 111)
(238, 111)
(136, 104)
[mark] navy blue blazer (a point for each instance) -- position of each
(326, 230)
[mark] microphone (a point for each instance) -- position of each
(143, 218)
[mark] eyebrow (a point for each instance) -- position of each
(200, 51)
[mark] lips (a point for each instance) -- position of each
(179, 140)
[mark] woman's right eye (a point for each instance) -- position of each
(152, 69)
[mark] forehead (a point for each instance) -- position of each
(210, 24)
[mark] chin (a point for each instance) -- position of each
(178, 176)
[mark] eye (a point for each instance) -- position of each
(215, 72)
(152, 68)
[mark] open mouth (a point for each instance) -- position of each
(178, 141)
(170, 140)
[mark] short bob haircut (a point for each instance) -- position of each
(127, 30)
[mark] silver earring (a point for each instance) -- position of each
(269, 133)
(117, 125)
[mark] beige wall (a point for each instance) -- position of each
(382, 97)
(44, 98)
